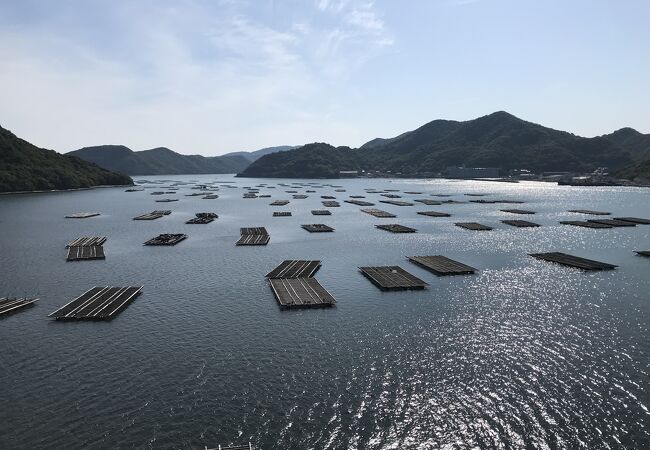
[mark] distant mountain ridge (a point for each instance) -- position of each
(25, 167)
(254, 155)
(158, 161)
(496, 140)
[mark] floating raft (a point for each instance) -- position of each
(202, 218)
(391, 195)
(279, 203)
(331, 203)
(98, 303)
(635, 220)
(518, 211)
(327, 197)
(392, 278)
(426, 201)
(441, 265)
(152, 215)
(317, 228)
(359, 202)
(412, 192)
(167, 200)
(613, 222)
(211, 197)
(83, 215)
(321, 212)
(573, 261)
(166, 239)
(378, 213)
(396, 228)
(300, 293)
(520, 223)
(253, 236)
(473, 226)
(396, 202)
(10, 305)
(356, 196)
(495, 201)
(433, 214)
(250, 195)
(643, 253)
(300, 196)
(87, 241)
(584, 224)
(282, 214)
(79, 253)
(587, 211)
(295, 268)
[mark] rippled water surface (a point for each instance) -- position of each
(524, 354)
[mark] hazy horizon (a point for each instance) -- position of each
(211, 78)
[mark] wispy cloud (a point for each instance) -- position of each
(198, 76)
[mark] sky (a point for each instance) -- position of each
(215, 76)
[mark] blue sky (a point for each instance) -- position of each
(210, 76)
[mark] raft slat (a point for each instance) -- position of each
(441, 265)
(392, 278)
(396, 228)
(98, 303)
(295, 268)
(300, 293)
(573, 261)
(520, 223)
(474, 226)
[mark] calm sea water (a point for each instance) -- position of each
(524, 354)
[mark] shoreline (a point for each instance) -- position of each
(103, 186)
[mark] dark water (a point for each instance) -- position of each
(524, 354)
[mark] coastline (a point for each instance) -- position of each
(67, 190)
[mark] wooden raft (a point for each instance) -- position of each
(321, 212)
(153, 215)
(584, 224)
(441, 265)
(85, 252)
(636, 220)
(300, 293)
(378, 213)
(433, 214)
(11, 305)
(396, 202)
(473, 226)
(643, 253)
(317, 228)
(588, 211)
(281, 213)
(396, 228)
(166, 239)
(87, 241)
(359, 202)
(202, 218)
(573, 261)
(392, 278)
(253, 236)
(426, 201)
(613, 222)
(279, 203)
(518, 211)
(330, 203)
(98, 303)
(295, 268)
(83, 215)
(520, 223)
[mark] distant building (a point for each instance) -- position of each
(472, 172)
(348, 173)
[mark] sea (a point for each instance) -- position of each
(523, 354)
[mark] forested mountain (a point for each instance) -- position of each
(255, 155)
(496, 140)
(158, 161)
(25, 167)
